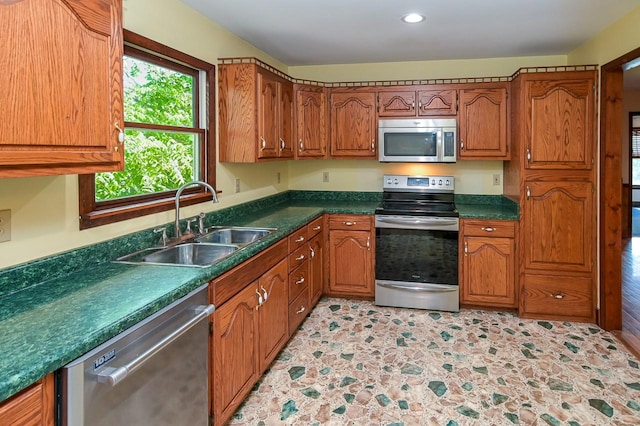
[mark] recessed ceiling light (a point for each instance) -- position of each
(413, 18)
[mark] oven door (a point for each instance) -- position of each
(417, 262)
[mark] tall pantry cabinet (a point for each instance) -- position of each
(552, 175)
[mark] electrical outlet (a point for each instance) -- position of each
(237, 185)
(496, 179)
(5, 225)
(325, 176)
(277, 177)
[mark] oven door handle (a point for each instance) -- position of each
(417, 223)
(418, 289)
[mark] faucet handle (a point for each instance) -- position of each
(163, 238)
(189, 222)
(201, 223)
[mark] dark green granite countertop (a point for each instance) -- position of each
(486, 207)
(55, 309)
(51, 314)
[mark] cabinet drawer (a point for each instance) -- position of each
(298, 310)
(315, 227)
(552, 296)
(350, 222)
(298, 257)
(298, 239)
(489, 228)
(298, 281)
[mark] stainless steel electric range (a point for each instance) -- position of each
(417, 243)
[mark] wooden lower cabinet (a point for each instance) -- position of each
(569, 298)
(34, 406)
(249, 329)
(351, 256)
(488, 263)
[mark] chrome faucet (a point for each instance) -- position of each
(178, 231)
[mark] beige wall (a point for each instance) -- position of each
(614, 41)
(45, 209)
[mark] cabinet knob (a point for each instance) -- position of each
(313, 252)
(558, 296)
(282, 144)
(461, 144)
(301, 145)
(373, 145)
(348, 223)
(368, 243)
(263, 143)
(528, 192)
(299, 239)
(317, 228)
(300, 281)
(120, 133)
(413, 105)
(300, 258)
(301, 310)
(265, 293)
(528, 154)
(466, 248)
(488, 229)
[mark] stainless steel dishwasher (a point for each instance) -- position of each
(154, 373)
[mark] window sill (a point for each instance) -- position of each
(109, 215)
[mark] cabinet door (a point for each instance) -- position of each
(235, 352)
(351, 262)
(62, 87)
(311, 118)
(397, 104)
(285, 119)
(488, 271)
(353, 125)
(437, 102)
(273, 313)
(316, 268)
(558, 226)
(33, 406)
(268, 129)
(560, 123)
(483, 124)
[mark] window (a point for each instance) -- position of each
(169, 136)
(634, 141)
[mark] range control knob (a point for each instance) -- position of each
(433, 182)
(396, 181)
(446, 182)
(440, 182)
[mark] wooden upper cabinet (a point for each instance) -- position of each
(353, 124)
(311, 123)
(437, 102)
(483, 124)
(256, 114)
(62, 87)
(560, 127)
(423, 103)
(397, 104)
(558, 226)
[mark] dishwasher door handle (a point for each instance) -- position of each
(114, 375)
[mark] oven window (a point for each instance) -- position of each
(417, 256)
(423, 144)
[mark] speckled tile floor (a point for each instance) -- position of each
(353, 363)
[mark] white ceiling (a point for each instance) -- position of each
(313, 32)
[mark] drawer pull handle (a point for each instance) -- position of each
(299, 239)
(348, 223)
(300, 281)
(301, 310)
(263, 144)
(317, 228)
(558, 296)
(300, 258)
(488, 228)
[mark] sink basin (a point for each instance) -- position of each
(235, 235)
(188, 254)
(191, 254)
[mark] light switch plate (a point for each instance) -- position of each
(5, 225)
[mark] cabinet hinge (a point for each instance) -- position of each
(211, 418)
(210, 328)
(378, 104)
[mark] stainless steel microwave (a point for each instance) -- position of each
(412, 140)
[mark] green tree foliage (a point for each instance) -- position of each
(155, 161)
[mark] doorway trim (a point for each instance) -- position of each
(611, 90)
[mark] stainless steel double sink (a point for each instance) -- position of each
(201, 251)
